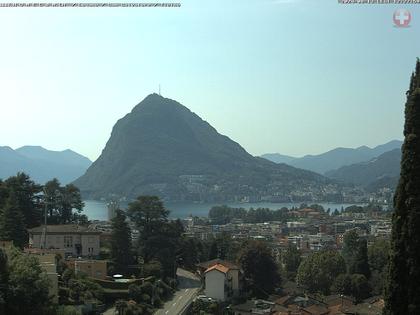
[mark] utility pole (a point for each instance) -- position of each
(44, 231)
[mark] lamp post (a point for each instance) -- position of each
(44, 230)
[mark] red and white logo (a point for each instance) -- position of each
(402, 18)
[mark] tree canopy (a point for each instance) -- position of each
(22, 203)
(61, 201)
(26, 284)
(148, 212)
(318, 271)
(260, 268)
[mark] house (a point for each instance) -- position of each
(75, 240)
(221, 279)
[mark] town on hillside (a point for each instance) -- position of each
(302, 260)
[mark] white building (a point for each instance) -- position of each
(75, 240)
(221, 281)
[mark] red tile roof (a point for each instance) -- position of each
(218, 267)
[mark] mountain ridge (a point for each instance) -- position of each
(339, 157)
(381, 170)
(42, 164)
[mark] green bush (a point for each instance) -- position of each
(145, 298)
(111, 295)
(157, 303)
(68, 310)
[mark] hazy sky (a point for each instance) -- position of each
(294, 77)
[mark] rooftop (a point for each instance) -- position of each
(63, 228)
(218, 267)
(210, 263)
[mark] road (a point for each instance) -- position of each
(188, 286)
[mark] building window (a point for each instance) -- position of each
(68, 241)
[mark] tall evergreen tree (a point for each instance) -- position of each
(291, 259)
(12, 222)
(214, 250)
(121, 241)
(360, 263)
(4, 280)
(350, 248)
(402, 294)
(3, 194)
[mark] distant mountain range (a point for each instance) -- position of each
(383, 170)
(335, 158)
(164, 149)
(279, 158)
(42, 164)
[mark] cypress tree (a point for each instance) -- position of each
(361, 263)
(121, 242)
(4, 281)
(402, 293)
(12, 222)
(350, 248)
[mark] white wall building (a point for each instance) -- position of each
(75, 240)
(221, 281)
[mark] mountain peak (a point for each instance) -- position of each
(157, 103)
(32, 147)
(163, 148)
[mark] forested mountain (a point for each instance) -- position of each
(162, 148)
(42, 164)
(338, 157)
(383, 171)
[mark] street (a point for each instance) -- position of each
(188, 287)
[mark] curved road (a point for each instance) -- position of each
(188, 287)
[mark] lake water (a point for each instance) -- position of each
(97, 210)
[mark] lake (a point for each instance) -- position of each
(97, 210)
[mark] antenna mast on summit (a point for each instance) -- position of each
(159, 89)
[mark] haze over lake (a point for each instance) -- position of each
(97, 210)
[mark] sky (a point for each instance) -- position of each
(290, 76)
